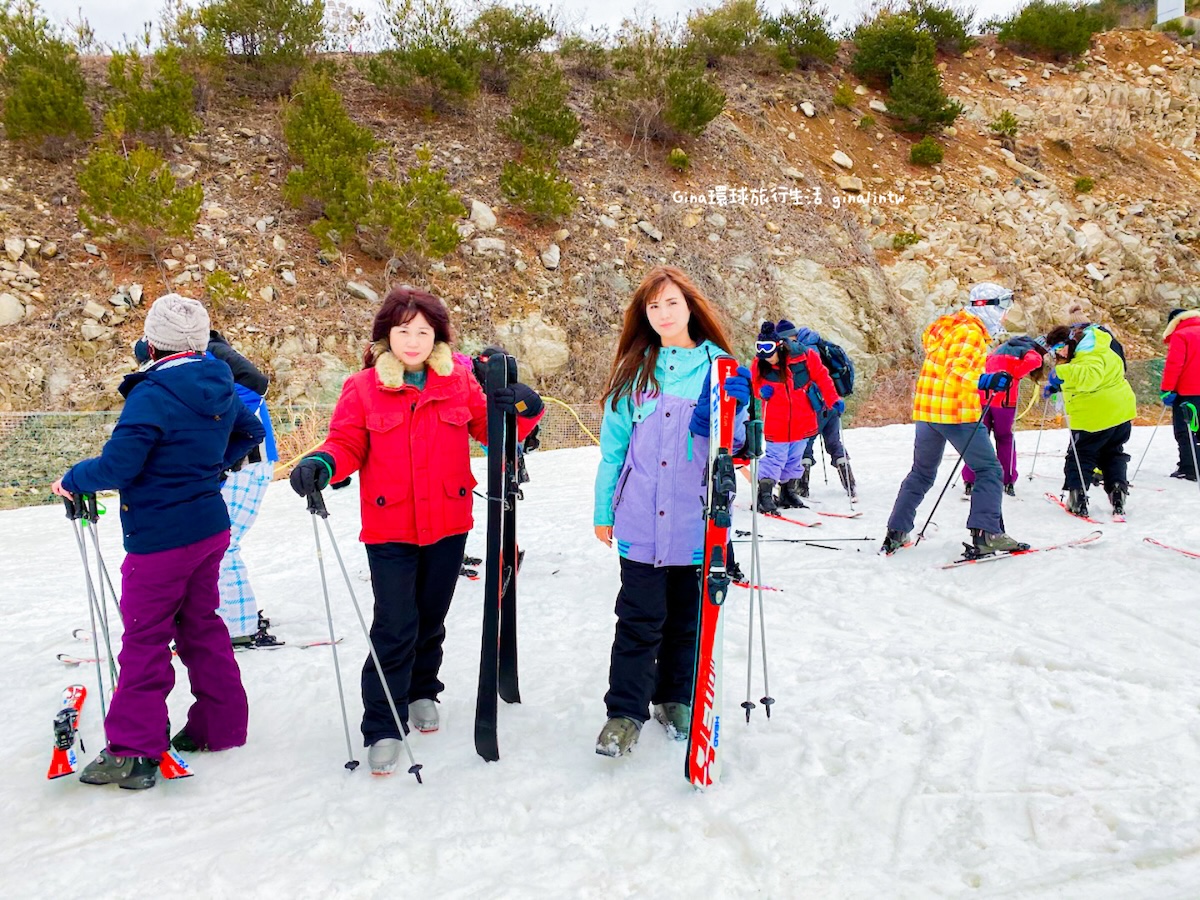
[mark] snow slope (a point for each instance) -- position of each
(1026, 728)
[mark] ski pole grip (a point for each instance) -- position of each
(754, 439)
(73, 507)
(93, 511)
(316, 505)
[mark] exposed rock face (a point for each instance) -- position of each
(540, 346)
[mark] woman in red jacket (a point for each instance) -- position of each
(405, 422)
(1181, 385)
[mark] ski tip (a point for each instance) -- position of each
(172, 766)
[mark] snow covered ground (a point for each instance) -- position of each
(1025, 728)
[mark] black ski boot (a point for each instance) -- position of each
(808, 466)
(134, 773)
(1010, 490)
(968, 489)
(766, 496)
(984, 543)
(1077, 502)
(1117, 497)
(894, 541)
(735, 572)
(789, 495)
(847, 476)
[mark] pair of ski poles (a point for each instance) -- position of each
(83, 511)
(317, 508)
(756, 448)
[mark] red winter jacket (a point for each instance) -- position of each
(789, 415)
(1018, 358)
(412, 447)
(1181, 373)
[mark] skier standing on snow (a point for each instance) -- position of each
(795, 388)
(1181, 386)
(181, 429)
(650, 490)
(405, 422)
(946, 408)
(1100, 407)
(829, 420)
(1018, 356)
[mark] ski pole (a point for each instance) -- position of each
(824, 471)
(75, 511)
(1193, 426)
(1083, 483)
(91, 519)
(316, 507)
(1153, 432)
(1037, 446)
(754, 448)
(958, 462)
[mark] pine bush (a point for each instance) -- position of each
(803, 36)
(433, 64)
(412, 218)
(917, 101)
(727, 30)
(926, 152)
(505, 39)
(1059, 29)
(534, 185)
(885, 45)
(269, 40)
(156, 100)
(541, 118)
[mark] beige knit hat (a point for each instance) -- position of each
(177, 323)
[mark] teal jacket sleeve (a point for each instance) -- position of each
(615, 431)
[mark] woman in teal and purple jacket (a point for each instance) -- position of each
(650, 491)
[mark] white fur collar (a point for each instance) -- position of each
(391, 370)
(1182, 317)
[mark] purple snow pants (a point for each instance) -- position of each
(999, 420)
(165, 596)
(783, 460)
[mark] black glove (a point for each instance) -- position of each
(312, 473)
(517, 399)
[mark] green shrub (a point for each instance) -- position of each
(42, 83)
(926, 152)
(802, 36)
(585, 57)
(269, 40)
(133, 197)
(505, 39)
(541, 119)
(222, 288)
(433, 64)
(1176, 26)
(904, 239)
(885, 45)
(413, 218)
(331, 154)
(724, 31)
(1060, 29)
(917, 101)
(1006, 125)
(678, 160)
(942, 21)
(1084, 185)
(534, 186)
(155, 100)
(662, 94)
(843, 96)
(866, 123)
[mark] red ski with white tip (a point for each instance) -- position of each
(66, 729)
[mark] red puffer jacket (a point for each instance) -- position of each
(791, 412)
(412, 448)
(1181, 373)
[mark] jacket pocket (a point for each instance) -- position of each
(380, 422)
(621, 487)
(459, 501)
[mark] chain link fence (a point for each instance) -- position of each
(37, 448)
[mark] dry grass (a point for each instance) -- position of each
(298, 430)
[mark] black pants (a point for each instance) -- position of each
(1184, 437)
(413, 587)
(1104, 450)
(654, 648)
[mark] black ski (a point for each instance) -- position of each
(486, 703)
(509, 689)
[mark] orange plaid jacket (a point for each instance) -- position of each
(955, 355)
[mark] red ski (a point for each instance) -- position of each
(1189, 553)
(853, 515)
(748, 586)
(66, 728)
(992, 557)
(783, 518)
(702, 765)
(1058, 501)
(172, 766)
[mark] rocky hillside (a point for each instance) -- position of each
(792, 208)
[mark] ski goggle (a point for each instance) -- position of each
(765, 348)
(1057, 347)
(1004, 302)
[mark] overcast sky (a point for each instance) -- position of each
(113, 18)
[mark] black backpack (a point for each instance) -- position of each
(841, 369)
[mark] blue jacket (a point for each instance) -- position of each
(651, 482)
(182, 427)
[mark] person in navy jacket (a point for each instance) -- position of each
(182, 428)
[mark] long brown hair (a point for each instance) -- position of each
(401, 305)
(638, 346)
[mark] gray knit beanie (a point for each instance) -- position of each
(177, 323)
